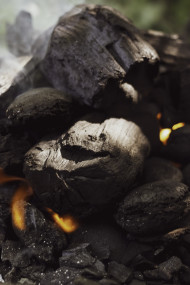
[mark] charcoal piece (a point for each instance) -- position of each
(46, 108)
(186, 174)
(173, 51)
(184, 254)
(138, 275)
(137, 282)
(95, 272)
(178, 147)
(84, 281)
(78, 257)
(154, 208)
(141, 263)
(12, 149)
(25, 281)
(39, 231)
(92, 49)
(165, 270)
(33, 271)
(61, 276)
(21, 35)
(88, 167)
(156, 168)
(184, 275)
(9, 250)
(120, 272)
(40, 45)
(12, 276)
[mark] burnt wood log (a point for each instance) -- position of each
(89, 166)
(154, 208)
(174, 52)
(92, 50)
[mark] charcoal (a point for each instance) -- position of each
(120, 272)
(13, 148)
(84, 281)
(78, 257)
(92, 49)
(20, 36)
(186, 174)
(141, 263)
(10, 249)
(137, 282)
(184, 254)
(185, 275)
(40, 45)
(25, 281)
(154, 208)
(96, 272)
(138, 275)
(184, 101)
(173, 51)
(88, 167)
(46, 108)
(178, 147)
(156, 168)
(33, 272)
(40, 232)
(165, 270)
(107, 281)
(61, 276)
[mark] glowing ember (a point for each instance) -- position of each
(177, 126)
(67, 223)
(164, 135)
(22, 194)
(159, 116)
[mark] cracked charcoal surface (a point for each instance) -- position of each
(98, 44)
(87, 167)
(154, 208)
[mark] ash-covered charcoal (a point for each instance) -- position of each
(12, 150)
(173, 50)
(92, 50)
(178, 146)
(40, 235)
(88, 167)
(154, 208)
(156, 168)
(78, 257)
(165, 270)
(186, 174)
(42, 109)
(20, 36)
(120, 272)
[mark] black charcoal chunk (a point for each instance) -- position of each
(88, 167)
(84, 281)
(78, 257)
(92, 49)
(178, 146)
(154, 208)
(41, 109)
(20, 36)
(9, 250)
(39, 234)
(185, 275)
(165, 270)
(156, 168)
(120, 272)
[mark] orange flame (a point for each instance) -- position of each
(177, 126)
(22, 193)
(159, 116)
(67, 223)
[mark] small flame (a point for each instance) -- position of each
(23, 192)
(67, 223)
(159, 116)
(177, 126)
(164, 135)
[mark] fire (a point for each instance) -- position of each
(165, 133)
(23, 192)
(159, 116)
(67, 223)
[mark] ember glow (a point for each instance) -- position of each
(67, 223)
(23, 192)
(165, 133)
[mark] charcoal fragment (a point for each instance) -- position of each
(154, 208)
(120, 272)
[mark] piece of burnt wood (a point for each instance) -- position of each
(156, 168)
(92, 49)
(89, 166)
(174, 52)
(154, 208)
(42, 110)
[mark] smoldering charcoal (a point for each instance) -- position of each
(94, 153)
